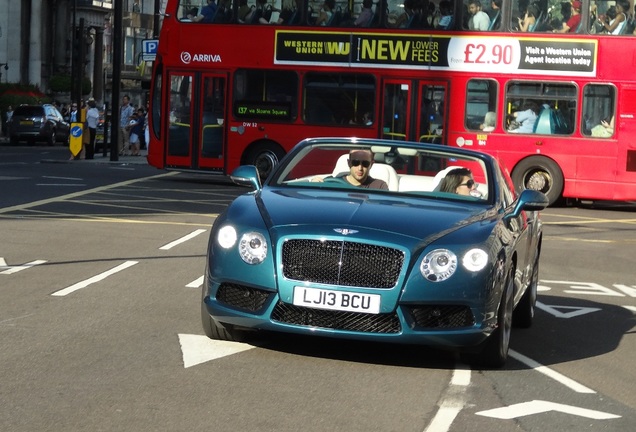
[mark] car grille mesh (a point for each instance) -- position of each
(442, 316)
(242, 297)
(342, 263)
(349, 321)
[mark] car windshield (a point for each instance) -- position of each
(389, 169)
(29, 111)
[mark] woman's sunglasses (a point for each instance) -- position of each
(469, 184)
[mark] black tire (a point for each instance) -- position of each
(524, 312)
(218, 331)
(539, 173)
(51, 139)
(264, 156)
(494, 351)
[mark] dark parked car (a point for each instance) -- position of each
(38, 123)
(445, 254)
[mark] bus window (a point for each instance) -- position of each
(481, 105)
(265, 94)
(540, 107)
(529, 16)
(599, 108)
(338, 98)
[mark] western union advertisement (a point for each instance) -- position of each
(438, 52)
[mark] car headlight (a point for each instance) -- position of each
(226, 237)
(438, 265)
(253, 248)
(475, 260)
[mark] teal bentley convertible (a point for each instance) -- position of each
(377, 240)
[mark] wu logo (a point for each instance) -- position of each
(338, 48)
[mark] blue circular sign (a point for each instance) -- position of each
(76, 131)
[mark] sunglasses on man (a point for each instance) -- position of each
(357, 162)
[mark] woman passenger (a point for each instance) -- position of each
(459, 181)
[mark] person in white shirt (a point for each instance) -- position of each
(92, 118)
(480, 19)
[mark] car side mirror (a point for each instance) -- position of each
(246, 175)
(529, 200)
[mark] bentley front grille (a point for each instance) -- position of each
(342, 263)
(336, 320)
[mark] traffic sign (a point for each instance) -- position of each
(149, 49)
(75, 141)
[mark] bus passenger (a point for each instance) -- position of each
(490, 121)
(615, 26)
(366, 14)
(575, 20)
(326, 12)
(525, 119)
(207, 13)
(529, 21)
(479, 19)
(243, 11)
(446, 15)
(605, 129)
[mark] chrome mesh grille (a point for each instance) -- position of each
(349, 321)
(342, 263)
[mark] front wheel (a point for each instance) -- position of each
(539, 173)
(218, 331)
(264, 157)
(51, 140)
(494, 351)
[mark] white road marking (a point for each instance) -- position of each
(630, 308)
(562, 379)
(539, 406)
(63, 178)
(81, 193)
(197, 349)
(195, 283)
(182, 239)
(15, 269)
(574, 310)
(453, 401)
(61, 184)
(94, 279)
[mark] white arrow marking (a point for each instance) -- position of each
(94, 279)
(15, 269)
(182, 239)
(197, 349)
(535, 365)
(539, 406)
(576, 311)
(195, 283)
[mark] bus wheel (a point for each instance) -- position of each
(265, 157)
(539, 173)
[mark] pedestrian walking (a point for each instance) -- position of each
(125, 112)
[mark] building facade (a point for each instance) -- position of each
(37, 41)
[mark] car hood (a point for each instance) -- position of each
(289, 210)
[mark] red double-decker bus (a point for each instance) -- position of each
(244, 83)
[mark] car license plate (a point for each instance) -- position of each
(26, 122)
(336, 300)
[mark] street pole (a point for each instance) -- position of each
(117, 55)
